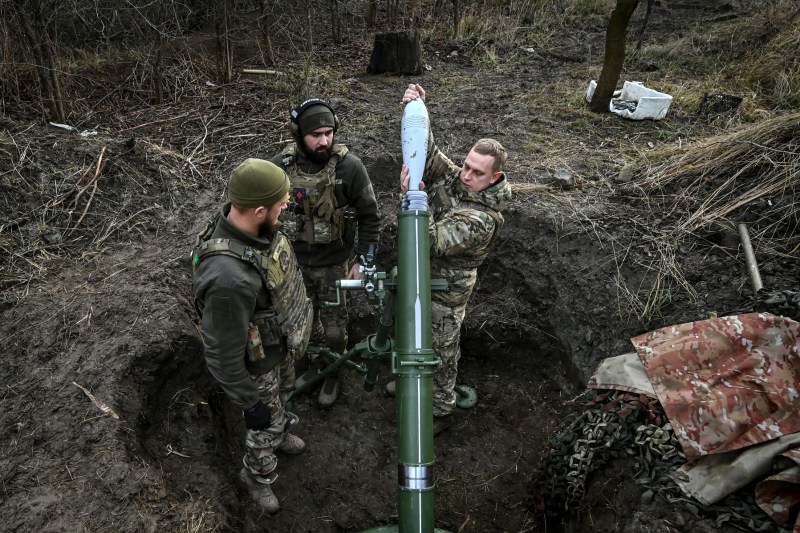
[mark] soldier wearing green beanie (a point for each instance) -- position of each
(257, 183)
(332, 221)
(255, 315)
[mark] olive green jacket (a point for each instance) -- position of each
(228, 292)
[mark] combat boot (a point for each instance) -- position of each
(292, 445)
(261, 492)
(330, 390)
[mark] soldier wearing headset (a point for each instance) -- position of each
(332, 221)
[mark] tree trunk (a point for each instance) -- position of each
(265, 23)
(336, 23)
(644, 24)
(224, 44)
(396, 52)
(372, 14)
(456, 18)
(42, 50)
(614, 55)
(309, 33)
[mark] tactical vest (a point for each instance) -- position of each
(313, 215)
(442, 201)
(291, 314)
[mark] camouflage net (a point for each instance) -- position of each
(608, 425)
(782, 303)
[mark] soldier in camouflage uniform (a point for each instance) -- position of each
(466, 204)
(332, 214)
(255, 315)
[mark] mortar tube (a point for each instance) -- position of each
(414, 365)
(750, 259)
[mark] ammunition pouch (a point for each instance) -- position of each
(311, 229)
(272, 345)
(313, 216)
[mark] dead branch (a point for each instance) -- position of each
(93, 184)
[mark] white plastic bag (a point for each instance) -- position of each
(635, 101)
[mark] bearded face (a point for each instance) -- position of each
(267, 229)
(269, 226)
(320, 155)
(318, 145)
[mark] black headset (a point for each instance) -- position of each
(294, 123)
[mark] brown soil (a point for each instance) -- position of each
(97, 296)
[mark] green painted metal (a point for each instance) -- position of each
(413, 363)
(394, 529)
(404, 296)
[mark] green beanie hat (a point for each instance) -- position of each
(316, 116)
(257, 183)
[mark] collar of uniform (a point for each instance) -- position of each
(494, 196)
(226, 230)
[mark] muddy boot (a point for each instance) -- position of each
(292, 445)
(261, 492)
(441, 423)
(330, 390)
(390, 388)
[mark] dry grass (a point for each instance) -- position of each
(751, 175)
(756, 56)
(774, 69)
(508, 23)
(723, 179)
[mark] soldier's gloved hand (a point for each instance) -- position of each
(257, 417)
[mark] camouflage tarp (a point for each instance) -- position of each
(729, 389)
(779, 494)
(726, 383)
(624, 372)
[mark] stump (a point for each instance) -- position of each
(396, 53)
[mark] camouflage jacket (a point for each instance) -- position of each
(463, 227)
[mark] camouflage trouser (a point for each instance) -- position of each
(260, 459)
(330, 323)
(286, 373)
(446, 322)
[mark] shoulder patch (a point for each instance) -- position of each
(280, 261)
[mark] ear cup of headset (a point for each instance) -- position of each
(296, 113)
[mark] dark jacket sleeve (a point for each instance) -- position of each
(362, 198)
(228, 303)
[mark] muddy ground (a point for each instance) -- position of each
(110, 421)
